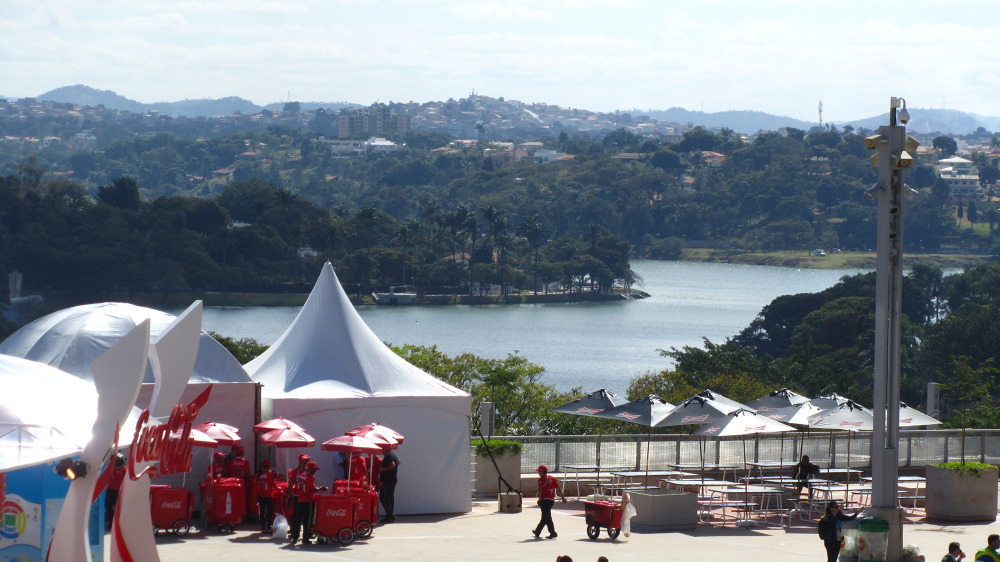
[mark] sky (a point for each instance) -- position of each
(782, 57)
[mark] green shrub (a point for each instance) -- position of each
(498, 447)
(971, 468)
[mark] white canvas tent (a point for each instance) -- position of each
(329, 373)
(70, 340)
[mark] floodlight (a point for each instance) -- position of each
(873, 142)
(71, 469)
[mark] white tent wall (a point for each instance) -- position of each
(233, 404)
(435, 468)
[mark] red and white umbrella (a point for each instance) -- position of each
(287, 438)
(383, 441)
(378, 429)
(351, 444)
(222, 433)
(276, 423)
(198, 438)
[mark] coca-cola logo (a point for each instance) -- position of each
(342, 512)
(151, 443)
(171, 505)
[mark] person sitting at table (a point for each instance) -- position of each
(802, 472)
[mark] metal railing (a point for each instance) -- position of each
(837, 449)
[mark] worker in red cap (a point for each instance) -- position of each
(237, 466)
(218, 467)
(305, 507)
(548, 487)
(264, 486)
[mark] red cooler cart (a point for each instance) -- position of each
(225, 503)
(366, 509)
(335, 516)
(170, 509)
(603, 514)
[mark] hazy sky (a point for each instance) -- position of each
(778, 56)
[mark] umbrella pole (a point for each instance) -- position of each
(649, 437)
(597, 453)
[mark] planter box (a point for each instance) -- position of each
(957, 496)
(487, 484)
(664, 510)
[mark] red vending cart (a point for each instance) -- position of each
(603, 514)
(366, 511)
(170, 509)
(225, 503)
(335, 515)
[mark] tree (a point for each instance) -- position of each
(946, 145)
(122, 193)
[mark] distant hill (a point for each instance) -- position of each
(85, 95)
(946, 121)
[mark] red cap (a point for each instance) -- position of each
(238, 451)
(220, 455)
(304, 457)
(542, 467)
(265, 463)
(312, 466)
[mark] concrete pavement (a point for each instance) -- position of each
(485, 534)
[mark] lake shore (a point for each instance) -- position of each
(789, 259)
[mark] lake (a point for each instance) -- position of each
(587, 345)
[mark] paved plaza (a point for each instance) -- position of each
(486, 534)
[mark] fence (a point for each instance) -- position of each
(837, 449)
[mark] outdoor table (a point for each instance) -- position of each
(904, 493)
(770, 500)
(576, 469)
(848, 474)
(704, 467)
(830, 491)
(761, 466)
(700, 484)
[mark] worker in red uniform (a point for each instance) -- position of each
(548, 487)
(293, 496)
(305, 488)
(359, 469)
(238, 467)
(264, 486)
(218, 466)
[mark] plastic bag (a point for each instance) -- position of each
(628, 512)
(280, 527)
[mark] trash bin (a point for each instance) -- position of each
(873, 539)
(849, 530)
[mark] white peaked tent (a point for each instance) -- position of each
(330, 373)
(72, 338)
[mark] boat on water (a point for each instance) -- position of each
(398, 294)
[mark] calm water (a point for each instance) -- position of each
(590, 345)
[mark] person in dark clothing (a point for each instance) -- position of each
(802, 472)
(832, 539)
(387, 483)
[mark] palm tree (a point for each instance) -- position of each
(531, 230)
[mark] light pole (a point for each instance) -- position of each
(892, 157)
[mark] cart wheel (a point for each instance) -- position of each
(363, 529)
(345, 536)
(180, 528)
(156, 531)
(613, 533)
(593, 531)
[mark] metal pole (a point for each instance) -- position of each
(889, 194)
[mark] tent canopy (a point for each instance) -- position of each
(70, 340)
(329, 352)
(330, 373)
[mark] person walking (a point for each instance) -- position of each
(548, 488)
(264, 486)
(990, 554)
(829, 530)
(955, 553)
(387, 485)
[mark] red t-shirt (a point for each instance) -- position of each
(547, 487)
(305, 486)
(238, 467)
(265, 483)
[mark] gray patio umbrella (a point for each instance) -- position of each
(590, 406)
(848, 416)
(741, 422)
(797, 414)
(828, 401)
(778, 399)
(647, 411)
(911, 417)
(698, 410)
